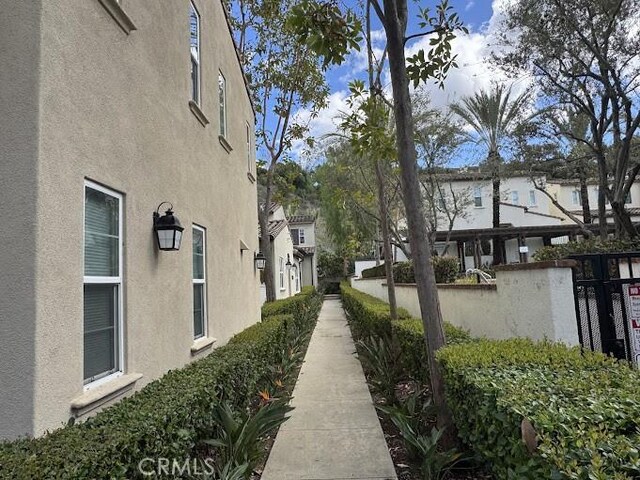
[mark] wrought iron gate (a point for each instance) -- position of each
(602, 300)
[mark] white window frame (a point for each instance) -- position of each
(118, 281)
(249, 149)
(515, 197)
(301, 237)
(222, 100)
(575, 197)
(195, 59)
(201, 281)
(281, 271)
(477, 195)
(533, 198)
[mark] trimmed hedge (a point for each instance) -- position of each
(369, 316)
(292, 305)
(584, 408)
(446, 270)
(558, 252)
(167, 418)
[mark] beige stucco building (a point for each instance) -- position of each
(106, 112)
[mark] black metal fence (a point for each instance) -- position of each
(602, 299)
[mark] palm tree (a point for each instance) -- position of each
(493, 117)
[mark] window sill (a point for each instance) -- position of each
(225, 144)
(201, 343)
(119, 15)
(251, 178)
(198, 113)
(98, 396)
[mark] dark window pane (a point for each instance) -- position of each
(100, 330)
(198, 310)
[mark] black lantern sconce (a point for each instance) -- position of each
(260, 260)
(168, 229)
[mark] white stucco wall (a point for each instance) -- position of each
(361, 265)
(534, 301)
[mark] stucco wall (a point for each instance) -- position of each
(19, 29)
(114, 109)
(526, 301)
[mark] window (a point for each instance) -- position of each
(281, 265)
(477, 196)
(102, 283)
(301, 235)
(222, 93)
(194, 27)
(515, 198)
(627, 198)
(199, 283)
(532, 198)
(249, 149)
(576, 198)
(295, 236)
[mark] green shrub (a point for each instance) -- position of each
(558, 252)
(369, 317)
(374, 272)
(584, 407)
(167, 418)
(445, 269)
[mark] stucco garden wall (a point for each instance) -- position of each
(532, 300)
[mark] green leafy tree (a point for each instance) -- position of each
(285, 75)
(494, 118)
(434, 64)
(585, 54)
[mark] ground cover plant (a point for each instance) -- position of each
(393, 356)
(171, 416)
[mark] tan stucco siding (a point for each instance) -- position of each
(19, 57)
(114, 109)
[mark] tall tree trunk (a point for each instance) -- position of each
(265, 242)
(602, 207)
(395, 25)
(584, 195)
(624, 225)
(386, 243)
(494, 162)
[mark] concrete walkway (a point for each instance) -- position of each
(334, 432)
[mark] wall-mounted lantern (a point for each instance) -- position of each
(260, 261)
(168, 229)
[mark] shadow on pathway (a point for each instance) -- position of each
(334, 432)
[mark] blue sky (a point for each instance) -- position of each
(482, 17)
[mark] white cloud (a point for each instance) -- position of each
(469, 6)
(474, 73)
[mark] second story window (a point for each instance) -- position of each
(477, 196)
(627, 198)
(249, 149)
(222, 93)
(576, 198)
(194, 27)
(515, 198)
(301, 235)
(532, 198)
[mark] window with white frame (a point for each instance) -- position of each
(102, 323)
(576, 198)
(533, 201)
(222, 94)
(515, 198)
(194, 28)
(199, 282)
(301, 236)
(249, 149)
(281, 266)
(477, 196)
